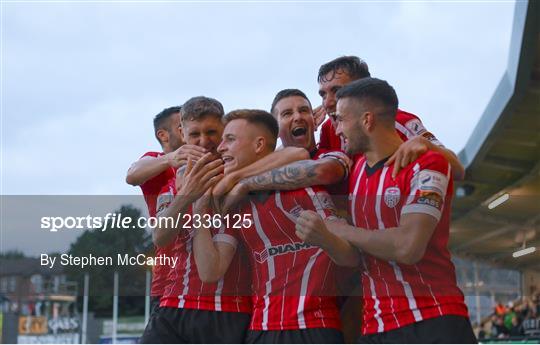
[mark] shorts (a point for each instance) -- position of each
(448, 329)
(180, 326)
(154, 304)
(296, 336)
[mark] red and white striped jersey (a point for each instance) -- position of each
(293, 282)
(151, 189)
(407, 125)
(338, 190)
(396, 295)
(232, 293)
(160, 273)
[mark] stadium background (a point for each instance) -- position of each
(496, 210)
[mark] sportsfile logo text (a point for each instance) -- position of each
(117, 221)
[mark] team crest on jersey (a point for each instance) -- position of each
(280, 249)
(392, 196)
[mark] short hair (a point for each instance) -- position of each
(197, 108)
(161, 120)
(355, 67)
(375, 90)
(285, 94)
(257, 117)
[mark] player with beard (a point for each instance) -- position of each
(155, 170)
(192, 311)
(339, 72)
(293, 112)
(292, 282)
(410, 289)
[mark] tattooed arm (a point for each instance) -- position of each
(301, 174)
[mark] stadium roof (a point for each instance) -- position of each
(502, 156)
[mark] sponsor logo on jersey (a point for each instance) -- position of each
(416, 127)
(281, 249)
(163, 201)
(295, 211)
(392, 196)
(432, 181)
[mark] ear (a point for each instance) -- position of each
(182, 135)
(368, 121)
(260, 144)
(163, 136)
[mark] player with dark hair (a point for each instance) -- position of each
(353, 66)
(410, 290)
(168, 132)
(292, 282)
(154, 172)
(339, 72)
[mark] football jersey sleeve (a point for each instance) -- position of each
(226, 235)
(164, 199)
(428, 181)
(153, 185)
(341, 158)
(411, 126)
(229, 231)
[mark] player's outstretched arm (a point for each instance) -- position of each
(213, 255)
(311, 228)
(413, 148)
(301, 174)
(148, 167)
(458, 170)
(197, 179)
(405, 244)
(274, 160)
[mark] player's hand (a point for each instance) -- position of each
(201, 176)
(318, 115)
(233, 199)
(337, 226)
(407, 153)
(225, 185)
(180, 156)
(310, 228)
(203, 205)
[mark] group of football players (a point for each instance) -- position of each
(339, 240)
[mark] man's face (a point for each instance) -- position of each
(349, 117)
(175, 132)
(328, 87)
(295, 119)
(238, 147)
(205, 132)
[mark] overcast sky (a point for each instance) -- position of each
(81, 81)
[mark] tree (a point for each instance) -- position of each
(131, 240)
(12, 254)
